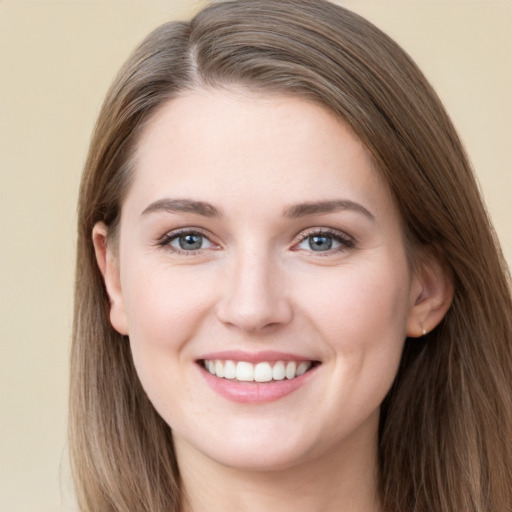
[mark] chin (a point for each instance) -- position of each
(252, 451)
(257, 460)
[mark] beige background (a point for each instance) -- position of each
(57, 59)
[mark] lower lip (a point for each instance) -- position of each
(255, 392)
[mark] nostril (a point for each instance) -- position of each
(253, 298)
(252, 316)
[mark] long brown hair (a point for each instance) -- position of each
(445, 439)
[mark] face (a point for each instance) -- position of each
(262, 279)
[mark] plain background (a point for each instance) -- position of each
(57, 59)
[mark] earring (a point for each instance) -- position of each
(423, 331)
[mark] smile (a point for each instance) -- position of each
(244, 371)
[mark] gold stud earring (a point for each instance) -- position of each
(423, 331)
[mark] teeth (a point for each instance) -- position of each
(301, 369)
(278, 372)
(219, 369)
(229, 370)
(244, 371)
(263, 372)
(291, 370)
(260, 372)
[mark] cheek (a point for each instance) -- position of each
(361, 315)
(159, 296)
(165, 306)
(358, 305)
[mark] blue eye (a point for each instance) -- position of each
(321, 241)
(186, 242)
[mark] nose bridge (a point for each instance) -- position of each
(254, 296)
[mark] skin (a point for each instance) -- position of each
(256, 284)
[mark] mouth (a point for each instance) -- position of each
(256, 377)
(263, 371)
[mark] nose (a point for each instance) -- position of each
(255, 296)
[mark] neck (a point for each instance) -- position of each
(344, 480)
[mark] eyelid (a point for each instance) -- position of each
(347, 241)
(164, 241)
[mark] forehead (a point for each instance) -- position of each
(223, 143)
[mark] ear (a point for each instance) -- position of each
(432, 295)
(109, 268)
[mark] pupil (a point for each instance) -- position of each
(320, 243)
(190, 242)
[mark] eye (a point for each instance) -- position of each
(324, 241)
(187, 242)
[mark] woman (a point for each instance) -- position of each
(288, 292)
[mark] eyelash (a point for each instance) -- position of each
(346, 242)
(165, 241)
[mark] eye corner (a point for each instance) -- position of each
(334, 241)
(199, 242)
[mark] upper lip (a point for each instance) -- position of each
(270, 356)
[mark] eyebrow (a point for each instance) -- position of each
(294, 211)
(183, 206)
(324, 207)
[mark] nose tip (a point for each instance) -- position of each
(255, 300)
(251, 318)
